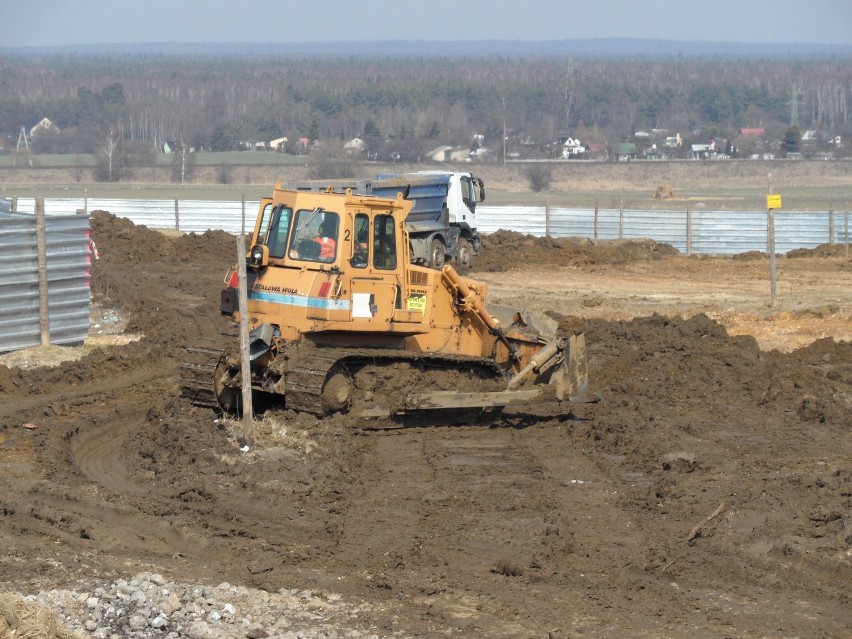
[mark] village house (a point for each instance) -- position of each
(37, 126)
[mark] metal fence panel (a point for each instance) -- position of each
(523, 219)
(68, 286)
(193, 216)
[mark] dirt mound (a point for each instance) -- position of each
(823, 250)
(504, 250)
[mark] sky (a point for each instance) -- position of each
(63, 22)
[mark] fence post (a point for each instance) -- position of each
(688, 231)
(177, 215)
(621, 221)
(546, 219)
(41, 249)
(596, 219)
(243, 226)
(86, 201)
(830, 224)
(846, 231)
(15, 204)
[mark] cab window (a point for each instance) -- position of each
(279, 228)
(314, 236)
(264, 222)
(360, 249)
(384, 242)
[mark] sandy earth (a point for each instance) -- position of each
(707, 495)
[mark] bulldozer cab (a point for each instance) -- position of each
(290, 234)
(328, 256)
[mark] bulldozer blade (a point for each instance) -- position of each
(584, 396)
(572, 381)
(455, 399)
(450, 400)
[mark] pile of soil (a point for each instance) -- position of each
(506, 250)
(707, 494)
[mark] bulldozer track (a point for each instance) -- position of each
(306, 370)
(197, 370)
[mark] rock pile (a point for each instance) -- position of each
(148, 606)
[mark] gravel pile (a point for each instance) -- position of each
(148, 606)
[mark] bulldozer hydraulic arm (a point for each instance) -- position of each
(470, 301)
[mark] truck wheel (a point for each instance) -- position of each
(437, 254)
(465, 252)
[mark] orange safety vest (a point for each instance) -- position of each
(327, 246)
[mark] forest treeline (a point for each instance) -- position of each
(404, 107)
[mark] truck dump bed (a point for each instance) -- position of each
(428, 192)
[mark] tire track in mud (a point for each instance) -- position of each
(98, 452)
(472, 525)
(98, 486)
(20, 404)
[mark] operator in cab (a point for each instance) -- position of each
(327, 239)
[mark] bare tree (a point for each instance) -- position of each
(109, 161)
(539, 176)
(183, 162)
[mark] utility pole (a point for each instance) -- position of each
(504, 127)
(22, 135)
(794, 106)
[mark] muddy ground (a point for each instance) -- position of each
(707, 495)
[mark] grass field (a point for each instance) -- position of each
(720, 185)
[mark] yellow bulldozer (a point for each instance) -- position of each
(341, 321)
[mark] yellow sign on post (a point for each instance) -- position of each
(773, 201)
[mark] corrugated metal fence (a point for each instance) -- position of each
(700, 232)
(68, 270)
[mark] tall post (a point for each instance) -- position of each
(86, 201)
(243, 226)
(621, 221)
(846, 231)
(41, 248)
(177, 215)
(770, 247)
(15, 204)
(770, 237)
(245, 362)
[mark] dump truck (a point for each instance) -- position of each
(341, 321)
(442, 223)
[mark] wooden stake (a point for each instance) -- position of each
(245, 369)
